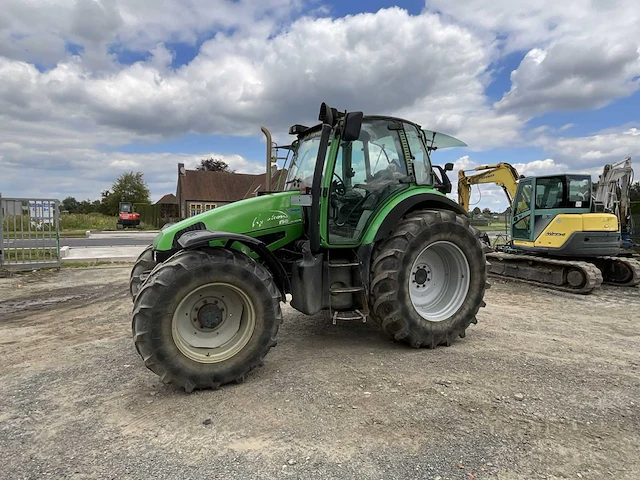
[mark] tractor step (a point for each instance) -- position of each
(341, 265)
(354, 315)
(346, 289)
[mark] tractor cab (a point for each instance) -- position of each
(354, 168)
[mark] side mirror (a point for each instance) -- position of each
(448, 167)
(352, 126)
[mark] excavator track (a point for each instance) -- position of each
(620, 271)
(563, 275)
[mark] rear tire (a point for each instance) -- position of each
(144, 264)
(170, 345)
(429, 279)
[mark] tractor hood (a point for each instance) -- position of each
(255, 217)
(437, 140)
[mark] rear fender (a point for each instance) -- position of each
(429, 201)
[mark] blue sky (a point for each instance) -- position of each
(92, 89)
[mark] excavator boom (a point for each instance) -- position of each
(501, 174)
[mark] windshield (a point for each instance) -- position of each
(304, 162)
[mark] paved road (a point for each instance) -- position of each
(96, 240)
(79, 242)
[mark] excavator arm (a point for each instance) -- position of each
(613, 191)
(502, 174)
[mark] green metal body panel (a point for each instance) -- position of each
(254, 217)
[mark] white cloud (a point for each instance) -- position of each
(580, 54)
(38, 31)
(389, 62)
(260, 66)
(591, 153)
(572, 75)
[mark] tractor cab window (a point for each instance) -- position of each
(367, 171)
(420, 157)
(303, 163)
(125, 207)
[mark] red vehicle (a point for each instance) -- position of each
(127, 218)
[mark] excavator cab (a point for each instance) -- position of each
(554, 214)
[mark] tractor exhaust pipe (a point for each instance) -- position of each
(267, 134)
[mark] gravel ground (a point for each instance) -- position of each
(546, 385)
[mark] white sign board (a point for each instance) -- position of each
(42, 211)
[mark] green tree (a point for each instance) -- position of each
(213, 165)
(70, 204)
(634, 193)
(87, 206)
(476, 212)
(486, 211)
(129, 187)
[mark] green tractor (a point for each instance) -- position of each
(363, 229)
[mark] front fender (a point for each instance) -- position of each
(202, 238)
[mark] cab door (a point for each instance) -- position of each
(363, 174)
(521, 219)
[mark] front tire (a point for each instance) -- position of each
(429, 279)
(206, 318)
(143, 266)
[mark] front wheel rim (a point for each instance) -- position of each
(439, 281)
(213, 323)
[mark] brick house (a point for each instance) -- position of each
(199, 191)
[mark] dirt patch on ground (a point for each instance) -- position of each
(545, 386)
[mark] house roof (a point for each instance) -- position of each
(169, 198)
(259, 183)
(214, 186)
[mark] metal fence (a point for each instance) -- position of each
(29, 233)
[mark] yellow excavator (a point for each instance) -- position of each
(559, 238)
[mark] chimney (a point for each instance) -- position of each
(181, 170)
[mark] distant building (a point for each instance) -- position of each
(168, 199)
(200, 191)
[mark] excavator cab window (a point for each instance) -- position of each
(579, 192)
(549, 192)
(521, 220)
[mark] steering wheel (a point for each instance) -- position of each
(338, 185)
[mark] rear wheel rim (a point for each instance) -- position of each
(439, 281)
(213, 323)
